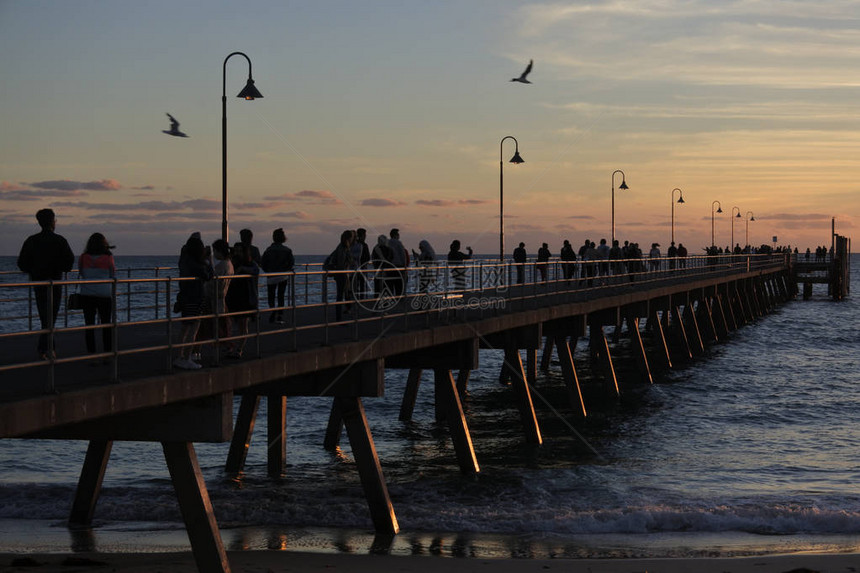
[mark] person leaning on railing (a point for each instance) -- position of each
(277, 258)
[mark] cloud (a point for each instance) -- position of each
(580, 217)
(6, 186)
(381, 202)
(66, 185)
(38, 194)
(144, 188)
(449, 202)
(293, 215)
(197, 205)
(308, 195)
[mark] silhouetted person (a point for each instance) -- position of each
(97, 263)
(654, 256)
(520, 258)
(242, 296)
(342, 261)
(455, 261)
(400, 259)
(381, 257)
(193, 263)
(360, 256)
(278, 258)
(425, 258)
(682, 255)
(543, 256)
(672, 253)
(246, 236)
(568, 257)
(615, 256)
(46, 256)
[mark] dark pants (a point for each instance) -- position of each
(279, 289)
(47, 316)
(343, 292)
(521, 274)
(101, 305)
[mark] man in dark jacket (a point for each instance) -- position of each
(278, 258)
(520, 258)
(45, 256)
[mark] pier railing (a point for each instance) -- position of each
(432, 292)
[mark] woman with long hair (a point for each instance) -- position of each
(97, 263)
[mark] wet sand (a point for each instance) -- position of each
(288, 561)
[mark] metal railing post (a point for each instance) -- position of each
(114, 367)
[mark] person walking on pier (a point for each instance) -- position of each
(193, 264)
(97, 263)
(455, 261)
(520, 258)
(615, 256)
(277, 258)
(654, 256)
(672, 253)
(45, 256)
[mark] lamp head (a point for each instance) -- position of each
(516, 158)
(752, 218)
(738, 215)
(250, 92)
(623, 185)
(719, 209)
(681, 199)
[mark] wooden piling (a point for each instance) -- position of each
(639, 349)
(692, 328)
(196, 508)
(682, 343)
(369, 468)
(410, 394)
(244, 428)
(514, 367)
(568, 372)
(276, 429)
(448, 398)
(334, 428)
(662, 347)
(598, 340)
(547, 354)
(90, 482)
(463, 381)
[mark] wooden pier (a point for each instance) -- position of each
(834, 270)
(669, 316)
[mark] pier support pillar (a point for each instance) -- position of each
(547, 355)
(531, 366)
(276, 430)
(600, 351)
(568, 372)
(692, 327)
(639, 349)
(410, 395)
(664, 357)
(334, 428)
(513, 367)
(682, 343)
(463, 381)
(367, 460)
(241, 441)
(706, 318)
(448, 399)
(206, 544)
(90, 482)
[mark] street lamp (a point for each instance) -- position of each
(622, 186)
(680, 200)
(249, 92)
(734, 216)
(515, 159)
(719, 210)
(750, 217)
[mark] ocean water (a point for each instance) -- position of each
(751, 449)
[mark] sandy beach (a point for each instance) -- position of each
(286, 561)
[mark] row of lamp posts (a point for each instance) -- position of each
(250, 93)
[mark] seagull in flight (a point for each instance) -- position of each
(174, 128)
(522, 79)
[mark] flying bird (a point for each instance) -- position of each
(522, 79)
(174, 128)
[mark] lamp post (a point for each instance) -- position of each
(750, 217)
(734, 216)
(517, 160)
(249, 92)
(680, 200)
(622, 186)
(719, 210)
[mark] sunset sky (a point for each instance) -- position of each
(389, 114)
